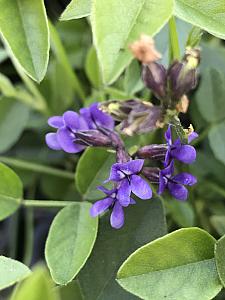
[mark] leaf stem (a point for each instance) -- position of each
(38, 168)
(46, 203)
(174, 41)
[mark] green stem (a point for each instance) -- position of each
(174, 41)
(46, 203)
(34, 167)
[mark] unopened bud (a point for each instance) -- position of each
(182, 75)
(93, 138)
(154, 78)
(155, 152)
(183, 105)
(152, 174)
(144, 49)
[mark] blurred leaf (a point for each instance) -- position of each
(11, 192)
(144, 222)
(181, 212)
(92, 68)
(218, 223)
(132, 79)
(220, 258)
(13, 119)
(76, 9)
(71, 291)
(128, 19)
(3, 55)
(206, 14)
(210, 95)
(6, 87)
(26, 35)
(92, 169)
(38, 286)
(175, 267)
(70, 241)
(194, 37)
(217, 141)
(12, 271)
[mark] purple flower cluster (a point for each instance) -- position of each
(129, 176)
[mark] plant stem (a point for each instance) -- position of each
(174, 41)
(46, 203)
(34, 167)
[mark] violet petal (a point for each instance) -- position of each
(66, 141)
(178, 191)
(184, 153)
(132, 167)
(117, 216)
(100, 206)
(101, 119)
(52, 141)
(56, 122)
(192, 136)
(124, 191)
(185, 178)
(140, 187)
(71, 119)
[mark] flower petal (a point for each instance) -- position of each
(105, 190)
(132, 167)
(124, 191)
(115, 173)
(185, 178)
(184, 153)
(101, 119)
(100, 206)
(132, 201)
(178, 191)
(168, 135)
(52, 141)
(168, 171)
(192, 136)
(56, 122)
(66, 141)
(140, 187)
(71, 119)
(162, 184)
(117, 216)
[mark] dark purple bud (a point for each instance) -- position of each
(93, 138)
(154, 78)
(182, 76)
(155, 151)
(121, 155)
(152, 174)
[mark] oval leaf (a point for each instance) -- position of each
(77, 9)
(12, 271)
(116, 24)
(206, 14)
(217, 141)
(11, 192)
(92, 169)
(38, 286)
(11, 126)
(220, 258)
(144, 222)
(174, 267)
(70, 241)
(24, 28)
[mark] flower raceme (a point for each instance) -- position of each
(94, 127)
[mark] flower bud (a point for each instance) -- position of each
(154, 78)
(152, 174)
(93, 138)
(154, 151)
(182, 76)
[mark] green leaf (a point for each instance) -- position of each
(23, 24)
(206, 14)
(92, 169)
(117, 24)
(220, 258)
(92, 68)
(218, 223)
(71, 291)
(37, 286)
(12, 271)
(13, 119)
(144, 222)
(76, 9)
(175, 267)
(210, 95)
(6, 87)
(217, 141)
(11, 192)
(70, 241)
(132, 80)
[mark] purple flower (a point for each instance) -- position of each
(126, 175)
(175, 184)
(71, 123)
(183, 153)
(111, 201)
